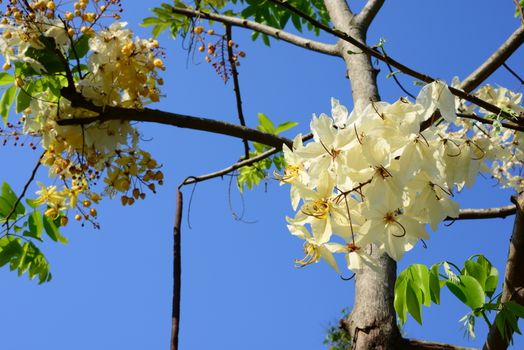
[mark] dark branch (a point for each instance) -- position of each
(24, 191)
(494, 61)
(513, 278)
(368, 13)
(327, 49)
(177, 271)
(156, 116)
(234, 72)
(194, 179)
(485, 213)
(490, 121)
(512, 72)
(374, 53)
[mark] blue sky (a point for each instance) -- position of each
(112, 287)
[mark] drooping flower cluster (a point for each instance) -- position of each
(48, 47)
(373, 176)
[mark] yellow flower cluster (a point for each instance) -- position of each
(109, 67)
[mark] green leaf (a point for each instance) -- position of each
(10, 199)
(400, 300)
(36, 225)
(516, 309)
(413, 303)
(9, 248)
(434, 284)
(46, 56)
(7, 101)
(468, 290)
(81, 48)
(23, 99)
(420, 279)
(52, 231)
(6, 78)
(265, 124)
(285, 126)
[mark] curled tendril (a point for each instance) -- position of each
(446, 191)
(445, 141)
(424, 138)
(381, 115)
(390, 219)
(356, 134)
(468, 142)
(348, 278)
(450, 223)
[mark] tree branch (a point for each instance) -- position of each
(156, 116)
(368, 13)
(414, 344)
(494, 61)
(194, 179)
(24, 191)
(324, 48)
(236, 84)
(374, 53)
(490, 121)
(513, 278)
(484, 213)
(177, 271)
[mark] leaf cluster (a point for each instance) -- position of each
(474, 285)
(23, 227)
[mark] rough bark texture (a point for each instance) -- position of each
(372, 323)
(513, 278)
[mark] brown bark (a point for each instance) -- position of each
(372, 322)
(513, 278)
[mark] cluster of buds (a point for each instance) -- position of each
(221, 52)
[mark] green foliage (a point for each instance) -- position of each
(264, 12)
(19, 229)
(337, 337)
(418, 285)
(6, 102)
(250, 176)
(276, 16)
(507, 319)
(518, 8)
(165, 19)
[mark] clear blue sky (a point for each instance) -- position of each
(112, 287)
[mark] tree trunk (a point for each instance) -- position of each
(513, 287)
(372, 323)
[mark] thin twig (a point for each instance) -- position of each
(21, 196)
(512, 72)
(238, 165)
(497, 59)
(394, 76)
(490, 121)
(485, 213)
(327, 49)
(234, 72)
(387, 59)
